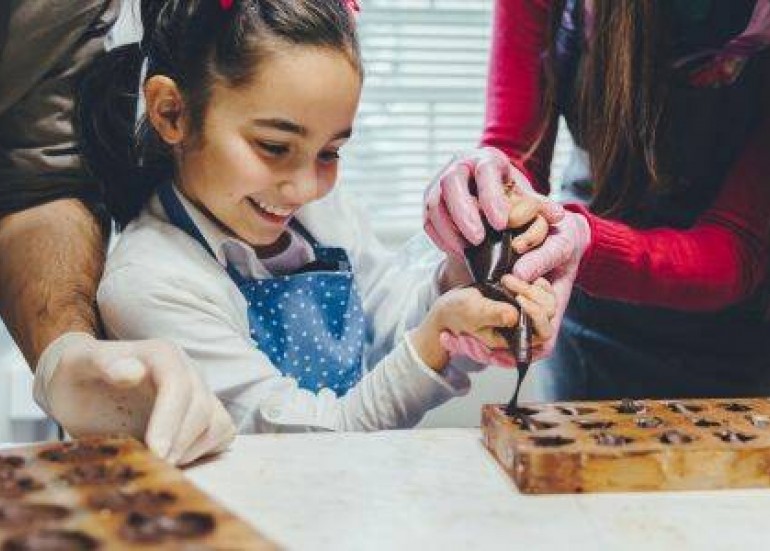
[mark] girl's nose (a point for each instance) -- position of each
(304, 186)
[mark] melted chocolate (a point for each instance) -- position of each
(551, 441)
(528, 411)
(648, 422)
(587, 424)
(732, 437)
(11, 462)
(684, 409)
(675, 437)
(52, 540)
(607, 439)
(100, 473)
(141, 528)
(734, 406)
(143, 501)
(77, 452)
(705, 423)
(15, 514)
(628, 406)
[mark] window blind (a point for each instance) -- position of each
(423, 100)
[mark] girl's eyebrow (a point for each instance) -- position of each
(294, 128)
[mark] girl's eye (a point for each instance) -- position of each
(329, 156)
(274, 149)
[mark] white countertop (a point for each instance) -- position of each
(440, 489)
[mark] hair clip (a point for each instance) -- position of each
(353, 6)
(226, 4)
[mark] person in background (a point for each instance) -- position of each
(670, 100)
(53, 235)
(239, 247)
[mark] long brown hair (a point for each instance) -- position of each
(619, 99)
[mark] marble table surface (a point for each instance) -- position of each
(440, 489)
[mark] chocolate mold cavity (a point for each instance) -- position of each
(574, 411)
(524, 410)
(683, 408)
(141, 501)
(551, 441)
(590, 424)
(76, 452)
(141, 528)
(732, 437)
(674, 437)
(628, 406)
(100, 473)
(759, 421)
(13, 485)
(735, 406)
(15, 514)
(51, 540)
(608, 439)
(11, 462)
(525, 422)
(705, 423)
(648, 422)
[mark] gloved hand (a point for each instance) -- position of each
(538, 300)
(452, 215)
(147, 389)
(558, 258)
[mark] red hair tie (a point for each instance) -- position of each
(353, 6)
(226, 4)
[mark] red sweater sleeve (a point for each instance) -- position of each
(721, 260)
(514, 88)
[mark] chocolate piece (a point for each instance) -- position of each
(732, 437)
(52, 540)
(100, 473)
(759, 421)
(675, 437)
(703, 422)
(684, 409)
(574, 411)
(15, 514)
(588, 424)
(144, 501)
(78, 452)
(143, 528)
(734, 406)
(607, 439)
(551, 441)
(629, 407)
(648, 422)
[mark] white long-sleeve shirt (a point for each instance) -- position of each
(161, 283)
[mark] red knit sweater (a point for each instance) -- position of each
(721, 260)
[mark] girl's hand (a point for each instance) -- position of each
(465, 314)
(538, 300)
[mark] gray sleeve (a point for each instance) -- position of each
(47, 48)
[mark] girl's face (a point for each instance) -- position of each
(272, 146)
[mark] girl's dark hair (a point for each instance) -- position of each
(196, 43)
(620, 99)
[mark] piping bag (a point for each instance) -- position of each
(488, 262)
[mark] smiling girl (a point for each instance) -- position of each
(238, 247)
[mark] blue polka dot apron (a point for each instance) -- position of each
(309, 323)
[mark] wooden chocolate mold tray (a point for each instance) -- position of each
(105, 494)
(628, 445)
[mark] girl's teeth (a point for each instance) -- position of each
(274, 210)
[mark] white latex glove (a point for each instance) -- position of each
(147, 389)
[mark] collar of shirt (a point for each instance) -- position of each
(229, 250)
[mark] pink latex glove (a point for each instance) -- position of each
(557, 259)
(452, 216)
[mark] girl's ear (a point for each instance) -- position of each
(165, 108)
